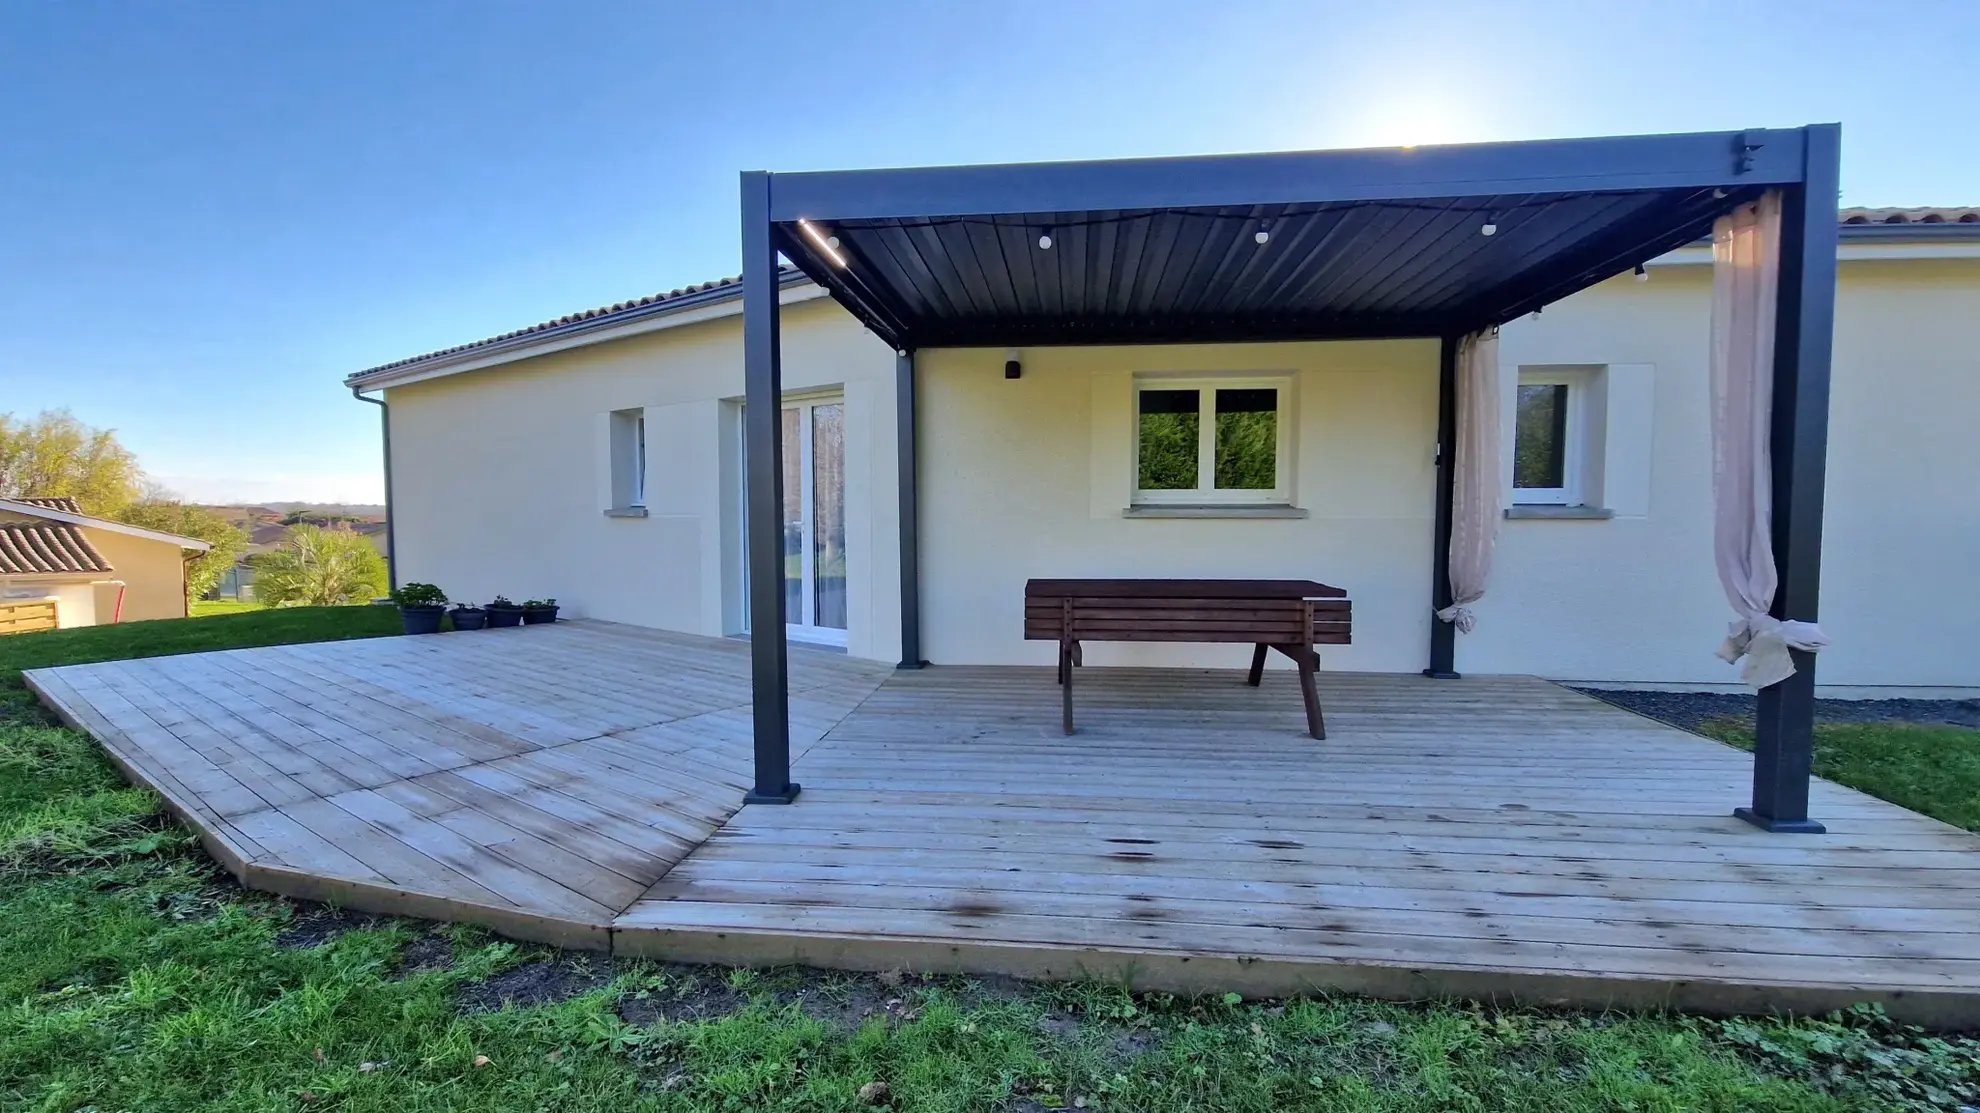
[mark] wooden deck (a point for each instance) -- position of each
(1496, 837)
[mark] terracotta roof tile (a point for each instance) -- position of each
(63, 503)
(1958, 215)
(28, 548)
(785, 273)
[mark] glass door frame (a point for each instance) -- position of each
(805, 628)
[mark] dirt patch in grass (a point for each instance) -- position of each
(843, 1001)
(539, 983)
(707, 1002)
(425, 955)
(317, 924)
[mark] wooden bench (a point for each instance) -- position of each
(1291, 616)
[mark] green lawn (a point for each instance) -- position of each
(205, 608)
(134, 976)
(1933, 770)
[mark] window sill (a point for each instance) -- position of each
(1212, 511)
(1561, 513)
(625, 512)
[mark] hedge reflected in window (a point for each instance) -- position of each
(1171, 424)
(1540, 437)
(1247, 439)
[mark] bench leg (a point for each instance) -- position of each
(1257, 665)
(1316, 722)
(1065, 685)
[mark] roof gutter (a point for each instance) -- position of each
(391, 519)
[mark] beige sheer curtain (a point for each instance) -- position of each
(1745, 278)
(1475, 495)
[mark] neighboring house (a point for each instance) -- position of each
(87, 571)
(597, 458)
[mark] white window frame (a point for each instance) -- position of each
(1574, 439)
(639, 461)
(626, 448)
(1206, 387)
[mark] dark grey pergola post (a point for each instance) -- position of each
(1443, 635)
(763, 457)
(1804, 331)
(908, 465)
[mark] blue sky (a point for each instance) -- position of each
(211, 212)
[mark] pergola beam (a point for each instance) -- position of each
(1643, 162)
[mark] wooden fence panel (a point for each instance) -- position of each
(19, 618)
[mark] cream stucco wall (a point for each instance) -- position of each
(75, 599)
(501, 477)
(153, 574)
(1636, 599)
(1029, 477)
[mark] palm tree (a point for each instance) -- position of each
(317, 567)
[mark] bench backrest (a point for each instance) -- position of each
(1127, 618)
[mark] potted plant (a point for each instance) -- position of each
(502, 613)
(467, 616)
(538, 611)
(421, 607)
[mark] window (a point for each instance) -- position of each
(1548, 431)
(1210, 441)
(628, 433)
(639, 461)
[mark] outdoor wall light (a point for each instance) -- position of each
(829, 247)
(1490, 227)
(1641, 274)
(1012, 368)
(1044, 244)
(1262, 237)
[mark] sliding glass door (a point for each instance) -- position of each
(814, 434)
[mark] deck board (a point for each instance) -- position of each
(1495, 836)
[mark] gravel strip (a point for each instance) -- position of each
(1689, 709)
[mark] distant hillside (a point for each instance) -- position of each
(338, 509)
(267, 524)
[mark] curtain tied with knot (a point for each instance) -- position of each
(1475, 494)
(1745, 281)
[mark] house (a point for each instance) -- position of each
(60, 567)
(597, 458)
(1274, 366)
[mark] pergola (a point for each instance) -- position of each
(1326, 245)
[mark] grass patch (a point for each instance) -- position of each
(125, 640)
(1929, 769)
(134, 975)
(205, 608)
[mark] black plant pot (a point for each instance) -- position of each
(469, 618)
(537, 616)
(422, 620)
(499, 617)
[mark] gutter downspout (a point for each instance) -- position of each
(391, 518)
